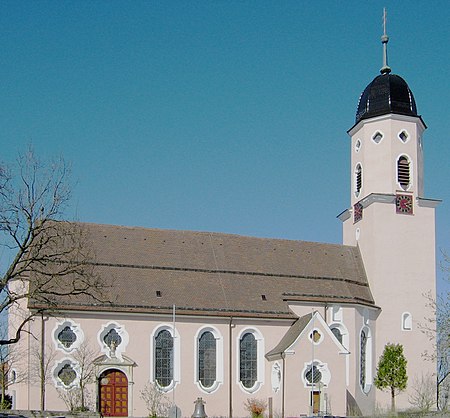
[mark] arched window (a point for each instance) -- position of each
(365, 360)
(362, 364)
(163, 358)
(207, 359)
(406, 321)
(403, 172)
(248, 360)
(358, 179)
(337, 333)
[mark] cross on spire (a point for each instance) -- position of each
(384, 40)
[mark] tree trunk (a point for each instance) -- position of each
(392, 399)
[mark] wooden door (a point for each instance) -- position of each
(114, 394)
(316, 402)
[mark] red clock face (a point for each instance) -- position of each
(357, 212)
(404, 204)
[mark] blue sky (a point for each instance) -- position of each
(225, 116)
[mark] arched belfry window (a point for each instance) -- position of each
(358, 179)
(404, 172)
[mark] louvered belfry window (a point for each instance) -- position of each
(248, 360)
(207, 359)
(403, 172)
(358, 179)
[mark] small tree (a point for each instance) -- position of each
(156, 402)
(256, 407)
(79, 398)
(423, 393)
(391, 371)
(10, 358)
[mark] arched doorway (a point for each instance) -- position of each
(113, 389)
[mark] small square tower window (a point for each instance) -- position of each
(377, 137)
(403, 136)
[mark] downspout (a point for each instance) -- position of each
(42, 365)
(283, 356)
(230, 368)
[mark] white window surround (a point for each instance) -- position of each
(344, 332)
(219, 358)
(358, 145)
(323, 369)
(405, 132)
(260, 359)
(120, 349)
(276, 376)
(310, 335)
(76, 330)
(406, 321)
(411, 170)
(176, 356)
(374, 136)
(369, 359)
(58, 367)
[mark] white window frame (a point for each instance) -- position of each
(369, 359)
(408, 135)
(76, 328)
(176, 356)
(219, 358)
(323, 369)
(407, 321)
(58, 367)
(120, 349)
(375, 134)
(259, 358)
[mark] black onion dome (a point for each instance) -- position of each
(387, 93)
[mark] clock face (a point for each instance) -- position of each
(357, 212)
(404, 204)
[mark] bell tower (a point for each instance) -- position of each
(389, 218)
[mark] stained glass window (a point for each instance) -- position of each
(362, 366)
(313, 374)
(207, 359)
(248, 360)
(112, 338)
(67, 337)
(67, 374)
(164, 358)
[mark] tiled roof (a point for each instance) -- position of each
(219, 274)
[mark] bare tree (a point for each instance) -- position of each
(10, 362)
(423, 393)
(43, 358)
(155, 400)
(438, 329)
(47, 258)
(78, 398)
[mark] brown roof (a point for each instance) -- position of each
(220, 274)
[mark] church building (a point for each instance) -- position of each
(299, 326)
